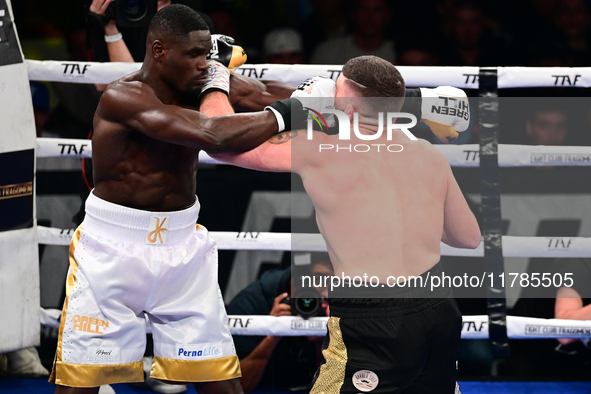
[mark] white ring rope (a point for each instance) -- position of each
(82, 149)
(473, 327)
(461, 77)
(552, 247)
(457, 155)
(91, 72)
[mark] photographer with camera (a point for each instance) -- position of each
(120, 27)
(281, 362)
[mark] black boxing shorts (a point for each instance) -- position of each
(404, 344)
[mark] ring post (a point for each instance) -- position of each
(19, 260)
(491, 208)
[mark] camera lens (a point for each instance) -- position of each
(307, 303)
(134, 10)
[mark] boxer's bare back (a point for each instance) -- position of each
(381, 213)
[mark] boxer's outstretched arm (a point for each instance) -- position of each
(460, 228)
(284, 152)
(271, 156)
(215, 104)
(569, 305)
(135, 105)
(254, 95)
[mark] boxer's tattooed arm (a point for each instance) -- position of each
(282, 138)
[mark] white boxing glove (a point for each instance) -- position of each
(446, 110)
(318, 94)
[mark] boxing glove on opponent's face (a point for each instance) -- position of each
(318, 94)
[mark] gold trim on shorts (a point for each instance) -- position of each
(84, 375)
(332, 373)
(70, 284)
(212, 370)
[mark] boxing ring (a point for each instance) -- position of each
(496, 326)
(488, 155)
(475, 327)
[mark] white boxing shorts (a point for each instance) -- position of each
(125, 265)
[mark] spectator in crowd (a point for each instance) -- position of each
(289, 362)
(573, 302)
(571, 358)
(550, 122)
(283, 46)
(558, 121)
(121, 44)
(224, 23)
(370, 18)
(417, 55)
(327, 21)
(546, 121)
(544, 358)
(34, 21)
(549, 55)
(41, 110)
(573, 20)
(531, 24)
(547, 126)
(469, 43)
(72, 117)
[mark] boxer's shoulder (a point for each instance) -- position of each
(423, 151)
(127, 94)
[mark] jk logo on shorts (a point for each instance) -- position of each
(157, 233)
(365, 380)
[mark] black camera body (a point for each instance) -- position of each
(305, 303)
(132, 13)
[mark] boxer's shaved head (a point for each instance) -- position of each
(175, 21)
(176, 48)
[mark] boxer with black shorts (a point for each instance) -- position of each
(383, 215)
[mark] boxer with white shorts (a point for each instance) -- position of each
(125, 264)
(138, 252)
